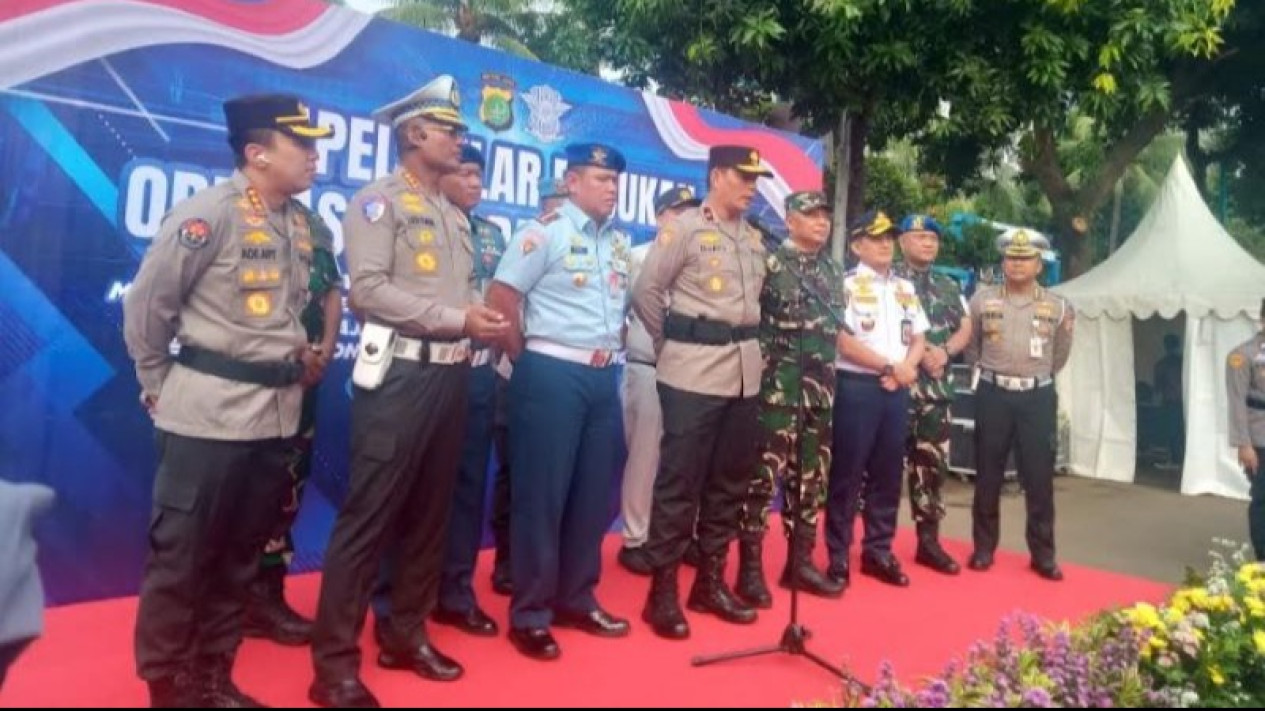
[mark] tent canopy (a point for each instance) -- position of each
(1179, 260)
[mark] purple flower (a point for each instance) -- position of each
(1037, 698)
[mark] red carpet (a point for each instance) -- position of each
(85, 657)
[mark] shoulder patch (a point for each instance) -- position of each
(194, 233)
(374, 208)
(533, 240)
(666, 235)
(1236, 361)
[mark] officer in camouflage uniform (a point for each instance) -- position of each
(802, 293)
(927, 447)
(267, 614)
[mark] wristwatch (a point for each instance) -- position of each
(889, 370)
(315, 348)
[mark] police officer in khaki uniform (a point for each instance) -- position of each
(643, 418)
(410, 259)
(1021, 336)
(1245, 395)
(709, 266)
(227, 277)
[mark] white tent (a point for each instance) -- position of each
(1179, 261)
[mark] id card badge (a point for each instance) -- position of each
(1036, 347)
(906, 332)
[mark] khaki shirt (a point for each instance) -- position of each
(639, 344)
(711, 270)
(410, 258)
(1245, 379)
(1029, 336)
(227, 275)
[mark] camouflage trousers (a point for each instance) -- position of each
(279, 550)
(927, 458)
(803, 484)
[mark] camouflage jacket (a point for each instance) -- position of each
(784, 307)
(324, 276)
(942, 299)
(489, 246)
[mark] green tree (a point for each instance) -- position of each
(495, 23)
(1130, 67)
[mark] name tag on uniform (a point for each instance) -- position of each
(906, 332)
(1036, 347)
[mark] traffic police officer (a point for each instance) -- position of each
(410, 259)
(553, 192)
(802, 295)
(568, 273)
(1245, 394)
(457, 604)
(1021, 336)
(267, 614)
(927, 448)
(708, 267)
(877, 364)
(643, 418)
(227, 277)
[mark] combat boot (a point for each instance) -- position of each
(174, 692)
(213, 679)
(663, 606)
(930, 554)
(267, 614)
(751, 586)
(711, 594)
(800, 573)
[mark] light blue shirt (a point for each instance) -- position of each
(573, 277)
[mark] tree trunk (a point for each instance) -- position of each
(840, 149)
(858, 134)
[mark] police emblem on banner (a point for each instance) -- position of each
(497, 108)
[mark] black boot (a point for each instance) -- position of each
(267, 614)
(174, 692)
(711, 594)
(692, 554)
(800, 573)
(663, 606)
(751, 586)
(213, 678)
(930, 554)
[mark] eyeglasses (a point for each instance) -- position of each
(449, 130)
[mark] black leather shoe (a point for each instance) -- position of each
(840, 573)
(501, 584)
(886, 570)
(345, 694)
(635, 561)
(1049, 571)
(268, 616)
(980, 561)
(535, 642)
(213, 679)
(424, 660)
(174, 692)
(473, 621)
(598, 623)
(931, 555)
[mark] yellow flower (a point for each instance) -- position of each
(1172, 616)
(1216, 676)
(1145, 616)
(1254, 605)
(1158, 643)
(1258, 640)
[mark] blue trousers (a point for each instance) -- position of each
(465, 522)
(870, 426)
(564, 435)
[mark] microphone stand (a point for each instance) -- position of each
(794, 635)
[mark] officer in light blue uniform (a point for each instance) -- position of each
(568, 270)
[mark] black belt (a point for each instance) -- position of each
(274, 374)
(1256, 404)
(706, 332)
(854, 375)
